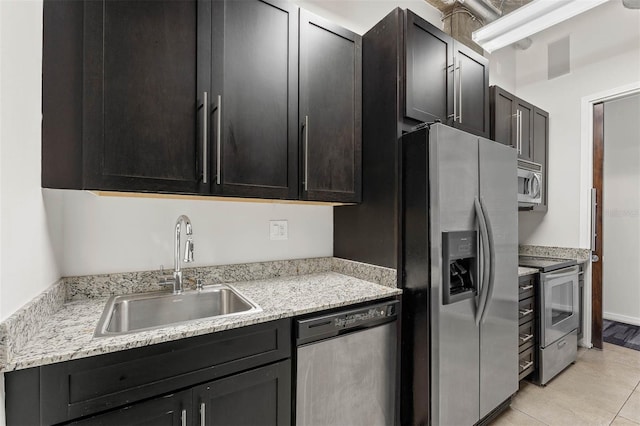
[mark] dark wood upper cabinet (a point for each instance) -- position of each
(429, 72)
(141, 95)
(445, 80)
(200, 97)
(503, 116)
(541, 151)
(255, 99)
(330, 111)
(525, 130)
(512, 122)
(472, 91)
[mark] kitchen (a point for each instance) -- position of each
(72, 233)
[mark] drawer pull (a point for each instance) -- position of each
(526, 312)
(527, 365)
(526, 338)
(526, 287)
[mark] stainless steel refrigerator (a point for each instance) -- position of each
(458, 260)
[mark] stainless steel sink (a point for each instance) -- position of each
(145, 311)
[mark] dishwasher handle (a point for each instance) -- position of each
(325, 326)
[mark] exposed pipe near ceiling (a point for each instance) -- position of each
(482, 9)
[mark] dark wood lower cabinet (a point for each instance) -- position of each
(169, 410)
(257, 397)
(242, 374)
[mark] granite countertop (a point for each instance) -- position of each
(68, 333)
(522, 271)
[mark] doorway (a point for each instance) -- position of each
(615, 230)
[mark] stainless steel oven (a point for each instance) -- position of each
(559, 320)
(529, 183)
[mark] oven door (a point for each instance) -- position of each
(559, 304)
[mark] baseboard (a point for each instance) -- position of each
(621, 318)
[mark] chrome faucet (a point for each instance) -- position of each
(188, 252)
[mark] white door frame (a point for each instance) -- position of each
(586, 183)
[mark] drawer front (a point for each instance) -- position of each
(90, 385)
(526, 310)
(526, 336)
(525, 363)
(526, 286)
(557, 356)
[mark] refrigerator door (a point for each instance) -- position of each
(499, 327)
(453, 176)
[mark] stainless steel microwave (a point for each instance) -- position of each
(530, 185)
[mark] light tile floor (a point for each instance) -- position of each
(601, 388)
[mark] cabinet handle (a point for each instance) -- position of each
(526, 338)
(205, 118)
(460, 91)
(526, 287)
(455, 108)
(202, 414)
(526, 312)
(306, 152)
(183, 417)
(527, 365)
(218, 140)
(519, 132)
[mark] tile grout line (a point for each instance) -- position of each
(625, 402)
(530, 416)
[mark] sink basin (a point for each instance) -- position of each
(145, 311)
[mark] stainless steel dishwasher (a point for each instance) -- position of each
(346, 367)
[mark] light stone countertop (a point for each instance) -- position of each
(522, 271)
(68, 333)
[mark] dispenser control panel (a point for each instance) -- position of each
(459, 253)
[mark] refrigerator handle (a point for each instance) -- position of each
(482, 287)
(492, 261)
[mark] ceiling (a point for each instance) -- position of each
(502, 6)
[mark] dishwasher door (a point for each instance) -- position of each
(349, 379)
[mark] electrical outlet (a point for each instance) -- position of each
(278, 230)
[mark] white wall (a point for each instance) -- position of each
(28, 221)
(621, 213)
(113, 234)
(502, 68)
(605, 54)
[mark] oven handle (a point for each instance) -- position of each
(554, 275)
(482, 290)
(492, 261)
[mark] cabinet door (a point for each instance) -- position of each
(330, 111)
(169, 410)
(525, 130)
(256, 397)
(503, 117)
(471, 91)
(145, 72)
(255, 99)
(429, 72)
(541, 150)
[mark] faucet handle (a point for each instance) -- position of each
(188, 251)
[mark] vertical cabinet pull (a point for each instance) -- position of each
(218, 141)
(203, 416)
(183, 417)
(306, 152)
(460, 91)
(205, 118)
(455, 98)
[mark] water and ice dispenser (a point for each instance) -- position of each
(459, 264)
